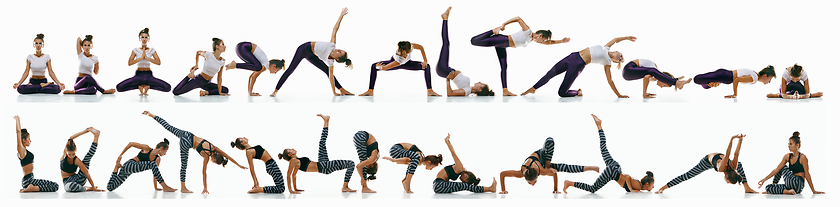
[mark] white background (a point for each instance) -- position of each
(666, 135)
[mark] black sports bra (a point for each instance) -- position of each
(414, 148)
(28, 159)
(533, 159)
(258, 151)
(304, 163)
(370, 148)
(796, 167)
(450, 172)
(715, 158)
(146, 156)
(67, 167)
(199, 148)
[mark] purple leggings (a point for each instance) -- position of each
(720, 75)
(443, 68)
(87, 85)
(572, 65)
(35, 87)
(188, 84)
(500, 42)
(634, 72)
(305, 51)
(410, 65)
(243, 50)
(143, 78)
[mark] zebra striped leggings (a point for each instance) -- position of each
(791, 182)
(397, 152)
(360, 141)
(185, 144)
(43, 185)
(443, 186)
(547, 153)
(327, 166)
(612, 171)
(76, 183)
(131, 167)
(272, 169)
(699, 168)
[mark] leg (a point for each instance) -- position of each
(322, 146)
(442, 186)
(634, 72)
(272, 169)
(488, 39)
(776, 188)
(213, 88)
(560, 167)
(45, 185)
(720, 76)
(740, 170)
(75, 183)
(360, 142)
(188, 84)
(34, 86)
(304, 50)
(373, 71)
(186, 143)
(546, 153)
(243, 50)
(611, 172)
(54, 89)
(397, 152)
(443, 68)
(324, 68)
(90, 82)
(703, 165)
(605, 153)
(157, 84)
(501, 53)
(130, 83)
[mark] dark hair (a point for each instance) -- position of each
(277, 63)
(220, 159)
(371, 170)
(238, 144)
(485, 91)
(732, 177)
(71, 145)
(164, 144)
(88, 38)
(795, 137)
(24, 134)
(403, 46)
(545, 33)
(343, 59)
(144, 31)
(285, 155)
(769, 71)
(530, 174)
(216, 42)
(434, 160)
(796, 70)
(39, 36)
(471, 179)
(648, 178)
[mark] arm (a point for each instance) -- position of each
(96, 68)
(337, 24)
(219, 80)
(423, 52)
(78, 45)
(204, 174)
(20, 148)
(734, 163)
(74, 136)
(401, 161)
(807, 89)
(332, 82)
(135, 145)
(84, 169)
(248, 156)
(612, 84)
(198, 54)
(388, 66)
(52, 74)
(458, 166)
(518, 20)
(153, 177)
(230, 158)
(804, 162)
(742, 79)
(772, 173)
(508, 173)
(132, 59)
(25, 74)
(450, 92)
(156, 59)
(619, 39)
(289, 176)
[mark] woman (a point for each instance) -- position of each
(534, 167)
(88, 66)
(444, 71)
(732, 170)
(38, 63)
(207, 150)
(368, 150)
(27, 159)
(402, 60)
(321, 55)
(148, 158)
(612, 172)
(734, 77)
(574, 63)
(796, 169)
(457, 171)
(409, 154)
(795, 85)
(75, 181)
(143, 79)
(324, 165)
(258, 153)
(647, 69)
(213, 63)
(492, 38)
(255, 60)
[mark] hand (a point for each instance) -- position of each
(623, 96)
(193, 68)
(796, 95)
(819, 192)
(273, 94)
(425, 64)
(298, 190)
(713, 84)
(739, 136)
(503, 192)
(243, 167)
(388, 158)
(447, 137)
(565, 40)
(256, 185)
(16, 117)
(61, 86)
(344, 11)
(15, 86)
(631, 38)
(147, 113)
(205, 191)
(93, 131)
(380, 66)
(760, 183)
(94, 188)
(730, 96)
(224, 94)
(649, 95)
(502, 28)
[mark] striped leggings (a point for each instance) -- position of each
(43, 185)
(547, 153)
(131, 167)
(443, 186)
(699, 168)
(185, 144)
(327, 166)
(612, 171)
(397, 152)
(791, 182)
(360, 141)
(272, 169)
(76, 183)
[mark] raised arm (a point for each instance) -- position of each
(426, 61)
(804, 161)
(458, 166)
(772, 173)
(74, 136)
(142, 147)
(518, 20)
(612, 84)
(78, 45)
(337, 24)
(737, 151)
(619, 39)
(20, 148)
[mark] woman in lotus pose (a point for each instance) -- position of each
(38, 63)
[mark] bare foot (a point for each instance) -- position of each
(430, 92)
(30, 188)
(681, 83)
(345, 92)
(369, 92)
(816, 95)
(406, 186)
(255, 94)
(790, 192)
(505, 92)
(166, 188)
(109, 91)
(580, 92)
(566, 185)
(346, 189)
(529, 91)
(230, 65)
(117, 167)
(45, 84)
(203, 93)
(445, 14)
(750, 191)
(492, 187)
(273, 94)
(184, 190)
(325, 117)
(367, 190)
(69, 92)
(649, 95)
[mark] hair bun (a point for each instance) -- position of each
(477, 180)
(796, 134)
(232, 144)
(39, 36)
(440, 157)
(88, 37)
(372, 177)
(166, 141)
(216, 39)
(146, 30)
(649, 173)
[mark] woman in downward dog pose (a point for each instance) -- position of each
(534, 167)
(258, 153)
(444, 71)
(143, 79)
(402, 60)
(574, 63)
(27, 163)
(88, 66)
(520, 39)
(793, 168)
(795, 85)
(322, 55)
(207, 150)
(368, 150)
(612, 172)
(469, 181)
(648, 71)
(732, 170)
(255, 60)
(38, 63)
(409, 154)
(324, 165)
(213, 63)
(148, 159)
(734, 77)
(75, 181)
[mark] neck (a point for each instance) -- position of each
(217, 54)
(153, 152)
(37, 52)
(143, 46)
(246, 146)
